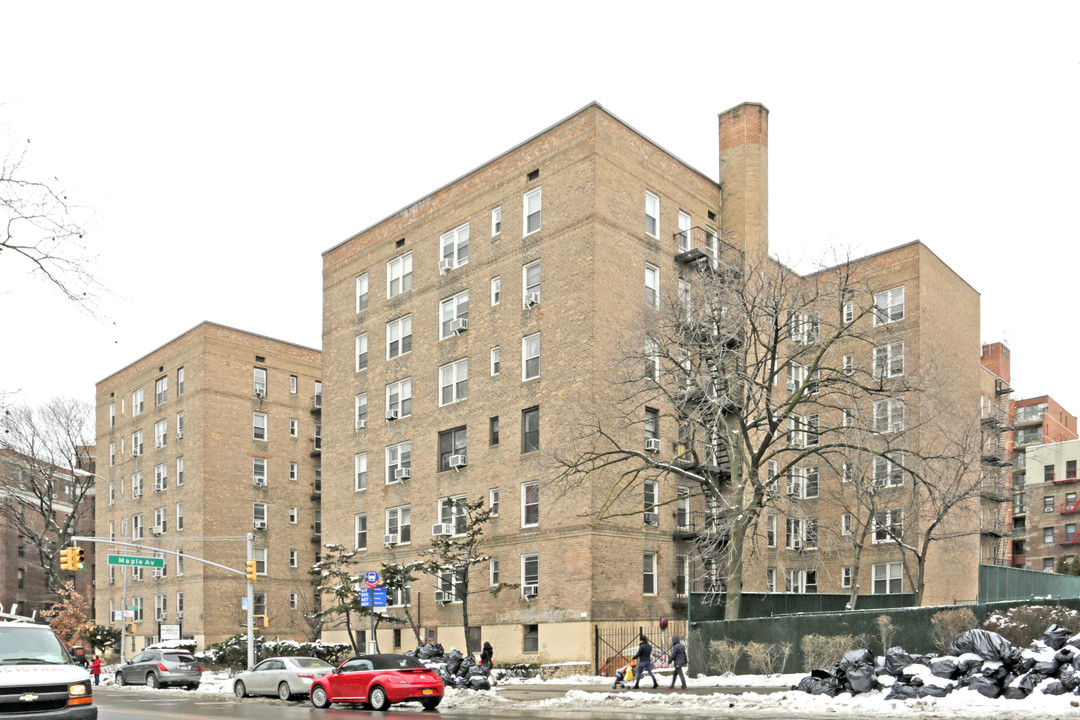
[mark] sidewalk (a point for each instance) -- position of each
(528, 693)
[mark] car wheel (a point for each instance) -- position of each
(377, 698)
(239, 689)
(191, 687)
(431, 703)
(284, 692)
(152, 681)
(120, 682)
(319, 698)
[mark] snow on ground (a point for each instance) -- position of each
(962, 704)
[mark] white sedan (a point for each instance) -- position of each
(281, 676)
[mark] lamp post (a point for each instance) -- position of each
(123, 569)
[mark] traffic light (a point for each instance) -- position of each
(78, 558)
(130, 628)
(251, 570)
(66, 559)
(259, 621)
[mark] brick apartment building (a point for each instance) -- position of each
(464, 335)
(1053, 527)
(213, 435)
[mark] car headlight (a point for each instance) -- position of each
(79, 689)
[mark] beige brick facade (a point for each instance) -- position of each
(221, 458)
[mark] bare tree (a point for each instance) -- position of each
(43, 498)
(753, 366)
(40, 229)
(398, 580)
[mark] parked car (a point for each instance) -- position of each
(378, 681)
(161, 668)
(38, 678)
(281, 676)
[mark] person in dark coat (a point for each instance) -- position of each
(678, 661)
(486, 653)
(95, 670)
(644, 662)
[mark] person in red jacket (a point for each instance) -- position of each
(95, 670)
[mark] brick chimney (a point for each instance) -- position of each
(744, 179)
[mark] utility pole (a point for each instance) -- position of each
(250, 604)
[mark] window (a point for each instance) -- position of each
(180, 571)
(652, 214)
(652, 287)
(161, 429)
(160, 523)
(848, 313)
(712, 245)
(530, 283)
(399, 522)
(136, 443)
(493, 431)
(652, 360)
(136, 485)
(496, 221)
(770, 580)
(1048, 536)
(137, 403)
(294, 514)
(684, 232)
(532, 211)
(180, 426)
(293, 387)
(294, 472)
(652, 424)
(648, 575)
(849, 364)
(770, 531)
(889, 360)
(451, 310)
(112, 454)
(454, 247)
(259, 605)
(318, 522)
(258, 425)
(802, 533)
(530, 429)
(889, 415)
(1048, 473)
(845, 576)
(813, 436)
(399, 398)
(161, 390)
(454, 382)
(448, 583)
(260, 381)
(112, 414)
(362, 293)
(800, 581)
(258, 470)
(1070, 469)
(847, 524)
(889, 306)
(494, 361)
(530, 572)
(260, 560)
(496, 291)
(360, 411)
(258, 512)
(398, 457)
(294, 427)
(888, 473)
(888, 525)
(651, 516)
(493, 572)
(361, 352)
(452, 512)
(180, 471)
(136, 527)
(360, 530)
(179, 382)
(530, 357)
(294, 561)
(1048, 503)
(398, 337)
(360, 472)
(159, 607)
(530, 504)
(493, 501)
(399, 275)
(888, 578)
(451, 442)
(849, 418)
(161, 476)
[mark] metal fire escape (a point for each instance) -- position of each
(995, 478)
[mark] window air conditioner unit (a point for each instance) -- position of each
(260, 524)
(260, 392)
(530, 591)
(390, 539)
(136, 494)
(179, 434)
(441, 529)
(157, 530)
(652, 518)
(260, 481)
(158, 487)
(442, 597)
(792, 385)
(652, 445)
(392, 415)
(459, 326)
(445, 266)
(136, 452)
(796, 544)
(457, 461)
(161, 616)
(361, 425)
(402, 473)
(179, 614)
(531, 299)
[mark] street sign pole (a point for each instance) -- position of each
(371, 579)
(250, 606)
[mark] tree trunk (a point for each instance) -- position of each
(733, 600)
(464, 585)
(349, 630)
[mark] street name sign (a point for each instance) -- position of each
(137, 561)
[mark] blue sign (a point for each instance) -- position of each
(371, 578)
(380, 597)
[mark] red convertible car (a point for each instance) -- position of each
(378, 681)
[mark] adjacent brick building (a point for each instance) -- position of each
(205, 439)
(466, 335)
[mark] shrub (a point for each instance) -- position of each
(825, 651)
(886, 629)
(767, 658)
(1024, 623)
(947, 624)
(520, 671)
(724, 655)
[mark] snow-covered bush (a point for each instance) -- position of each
(1024, 623)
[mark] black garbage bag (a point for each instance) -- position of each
(902, 691)
(1015, 693)
(1054, 688)
(479, 682)
(896, 660)
(1049, 669)
(466, 663)
(1028, 682)
(409, 653)
(854, 658)
(987, 645)
(969, 666)
(916, 682)
(806, 684)
(448, 680)
(861, 679)
(831, 686)
(432, 649)
(934, 691)
(1024, 666)
(983, 685)
(476, 671)
(453, 661)
(461, 683)
(1065, 655)
(1056, 636)
(997, 674)
(944, 668)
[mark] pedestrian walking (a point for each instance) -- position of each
(486, 654)
(678, 661)
(95, 669)
(644, 662)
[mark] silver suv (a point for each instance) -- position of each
(161, 668)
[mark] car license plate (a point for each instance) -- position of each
(429, 691)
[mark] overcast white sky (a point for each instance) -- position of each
(220, 148)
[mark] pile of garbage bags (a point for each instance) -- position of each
(978, 660)
(456, 670)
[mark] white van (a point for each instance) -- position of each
(38, 679)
